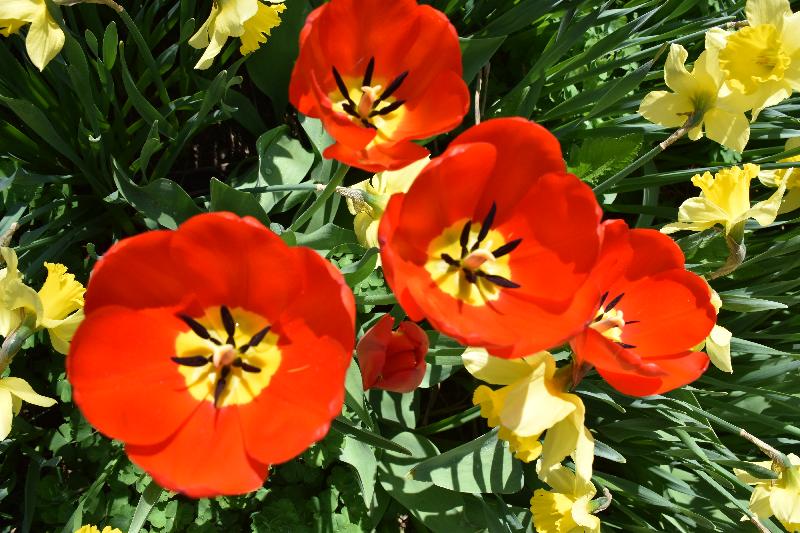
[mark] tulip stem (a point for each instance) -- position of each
(769, 451)
(690, 123)
(327, 192)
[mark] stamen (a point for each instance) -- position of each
(219, 387)
(499, 280)
(350, 110)
(388, 109)
(632, 322)
(487, 224)
(603, 298)
(464, 239)
(193, 360)
(198, 328)
(342, 87)
(255, 340)
(471, 276)
(626, 345)
(613, 303)
(392, 87)
(229, 323)
(367, 124)
(247, 367)
(368, 73)
(506, 248)
(450, 261)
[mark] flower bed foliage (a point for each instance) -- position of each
(364, 351)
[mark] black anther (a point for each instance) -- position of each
(470, 275)
(351, 110)
(613, 303)
(632, 322)
(391, 88)
(603, 298)
(447, 258)
(626, 345)
(485, 226)
(367, 81)
(198, 328)
(367, 124)
(388, 109)
(246, 366)
(192, 360)
(219, 386)
(507, 248)
(229, 323)
(342, 87)
(499, 280)
(464, 239)
(256, 339)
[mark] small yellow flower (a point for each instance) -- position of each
(697, 94)
(725, 200)
(57, 306)
(786, 177)
(533, 401)
(761, 61)
(379, 189)
(250, 20)
(13, 391)
(94, 529)
(45, 37)
(566, 509)
(779, 497)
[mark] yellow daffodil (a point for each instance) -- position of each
(725, 200)
(779, 497)
(533, 401)
(45, 37)
(718, 342)
(378, 190)
(250, 20)
(13, 391)
(697, 95)
(94, 529)
(789, 178)
(57, 307)
(762, 60)
(568, 507)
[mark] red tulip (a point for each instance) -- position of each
(212, 352)
(393, 360)
(379, 74)
(494, 242)
(651, 314)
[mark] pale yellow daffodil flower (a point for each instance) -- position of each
(788, 178)
(533, 400)
(45, 38)
(379, 188)
(725, 200)
(779, 497)
(250, 20)
(57, 307)
(13, 391)
(761, 61)
(568, 507)
(696, 94)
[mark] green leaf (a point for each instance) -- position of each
(282, 160)
(484, 465)
(225, 198)
(600, 157)
(148, 499)
(163, 201)
(476, 52)
(362, 458)
(748, 304)
(110, 40)
(347, 428)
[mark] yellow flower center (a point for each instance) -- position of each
(368, 104)
(228, 356)
(609, 320)
(752, 56)
(470, 261)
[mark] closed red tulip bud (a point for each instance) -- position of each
(393, 360)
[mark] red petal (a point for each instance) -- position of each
(678, 372)
(378, 157)
(122, 377)
(206, 458)
(371, 350)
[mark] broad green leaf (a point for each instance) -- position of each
(225, 198)
(362, 458)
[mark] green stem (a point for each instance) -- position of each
(649, 156)
(768, 450)
(12, 344)
(144, 48)
(327, 192)
(282, 188)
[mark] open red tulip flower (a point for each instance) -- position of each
(379, 74)
(651, 314)
(393, 360)
(212, 352)
(494, 241)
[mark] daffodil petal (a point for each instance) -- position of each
(760, 502)
(233, 14)
(766, 212)
(22, 389)
(61, 334)
(666, 109)
(6, 413)
(791, 201)
(767, 12)
(731, 130)
(25, 10)
(676, 76)
(496, 370)
(45, 39)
